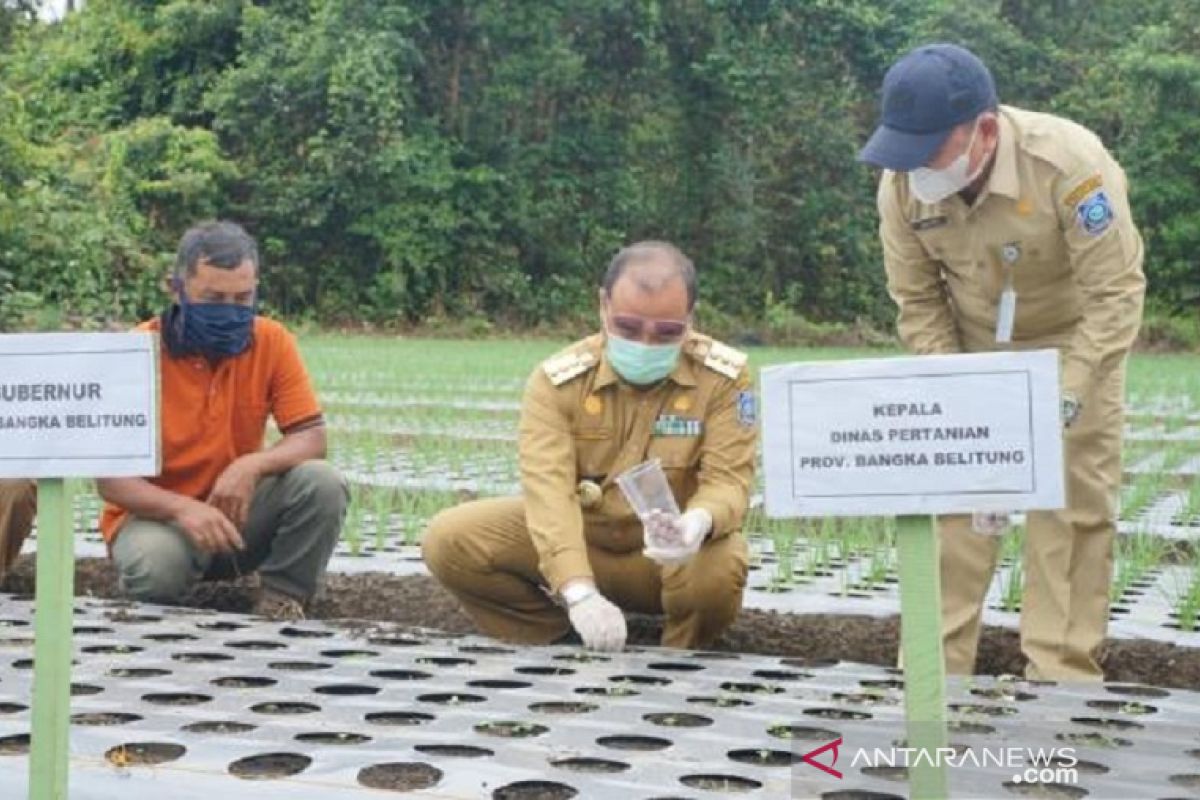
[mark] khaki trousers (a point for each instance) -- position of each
(18, 507)
(483, 554)
(1068, 556)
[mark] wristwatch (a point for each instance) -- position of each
(576, 593)
(1070, 409)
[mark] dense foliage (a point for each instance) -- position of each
(413, 160)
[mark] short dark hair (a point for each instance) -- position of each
(642, 252)
(219, 243)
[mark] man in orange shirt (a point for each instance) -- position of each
(223, 506)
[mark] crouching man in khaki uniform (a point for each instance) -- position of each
(568, 553)
(1008, 229)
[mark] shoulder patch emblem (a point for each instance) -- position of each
(1094, 213)
(562, 368)
(724, 360)
(1081, 191)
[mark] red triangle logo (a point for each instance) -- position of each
(811, 758)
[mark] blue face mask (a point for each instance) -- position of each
(218, 330)
(641, 364)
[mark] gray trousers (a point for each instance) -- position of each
(293, 526)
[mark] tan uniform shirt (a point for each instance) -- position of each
(581, 422)
(1052, 222)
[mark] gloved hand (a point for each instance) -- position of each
(991, 523)
(673, 540)
(599, 623)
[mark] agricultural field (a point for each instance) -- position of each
(326, 708)
(420, 425)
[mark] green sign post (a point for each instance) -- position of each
(52, 647)
(92, 399)
(921, 649)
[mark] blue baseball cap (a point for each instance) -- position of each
(926, 94)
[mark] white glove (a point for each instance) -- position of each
(672, 540)
(991, 523)
(599, 623)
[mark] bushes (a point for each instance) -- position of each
(413, 160)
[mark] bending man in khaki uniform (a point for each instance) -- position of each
(1008, 229)
(18, 507)
(569, 553)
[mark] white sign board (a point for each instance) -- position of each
(920, 435)
(79, 405)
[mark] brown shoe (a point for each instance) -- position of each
(277, 606)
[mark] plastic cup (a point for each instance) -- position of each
(645, 487)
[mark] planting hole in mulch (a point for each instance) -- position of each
(641, 680)
(285, 709)
(801, 733)
(112, 649)
(332, 738)
(1137, 691)
(534, 790)
(764, 757)
(454, 750)
(668, 720)
(635, 743)
(305, 633)
(400, 777)
(1003, 693)
(201, 658)
(581, 657)
(865, 698)
(720, 783)
(962, 726)
(137, 672)
(590, 765)
(875, 683)
(399, 718)
(99, 719)
(720, 702)
(982, 710)
(451, 698)
(92, 630)
(548, 671)
(256, 645)
(236, 682)
(220, 625)
(1084, 767)
(486, 649)
(498, 684)
(144, 754)
(742, 687)
(836, 713)
(401, 675)
(299, 666)
(16, 745)
(177, 698)
(781, 675)
(673, 666)
(1093, 740)
(1122, 707)
(85, 690)
(347, 690)
(512, 729)
(1109, 724)
(269, 766)
(449, 663)
(218, 727)
(396, 641)
(1186, 781)
(607, 691)
(563, 708)
(350, 655)
(859, 794)
(12, 708)
(1045, 791)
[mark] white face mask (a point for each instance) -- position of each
(935, 185)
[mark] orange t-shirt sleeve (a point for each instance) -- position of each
(293, 400)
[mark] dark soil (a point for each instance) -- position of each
(418, 601)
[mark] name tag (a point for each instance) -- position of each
(929, 222)
(672, 425)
